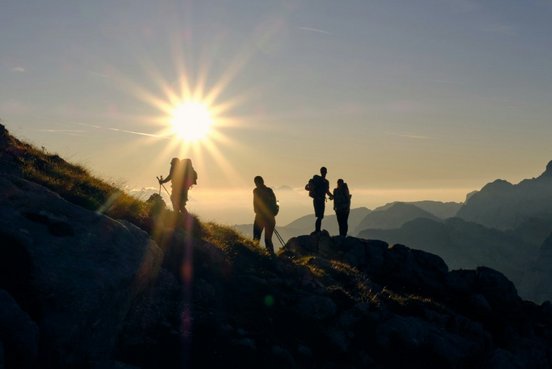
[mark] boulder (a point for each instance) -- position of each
(499, 291)
(81, 269)
(18, 334)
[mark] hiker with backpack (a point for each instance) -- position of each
(182, 176)
(318, 187)
(342, 206)
(266, 208)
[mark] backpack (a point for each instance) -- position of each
(269, 201)
(342, 198)
(189, 174)
(316, 187)
(266, 203)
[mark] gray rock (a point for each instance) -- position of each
(86, 269)
(317, 307)
(282, 357)
(18, 333)
(2, 356)
(480, 305)
(497, 289)
(502, 359)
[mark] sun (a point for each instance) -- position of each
(191, 120)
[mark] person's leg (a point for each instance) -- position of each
(270, 223)
(318, 225)
(342, 217)
(339, 216)
(257, 228)
(319, 205)
(183, 201)
(346, 222)
(175, 202)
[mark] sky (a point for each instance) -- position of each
(405, 100)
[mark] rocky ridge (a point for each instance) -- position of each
(81, 289)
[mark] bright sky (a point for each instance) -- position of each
(403, 99)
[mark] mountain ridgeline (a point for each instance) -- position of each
(503, 226)
(92, 279)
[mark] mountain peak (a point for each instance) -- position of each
(548, 171)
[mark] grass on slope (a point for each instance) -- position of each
(72, 182)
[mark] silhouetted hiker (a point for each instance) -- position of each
(266, 208)
(342, 206)
(318, 188)
(182, 176)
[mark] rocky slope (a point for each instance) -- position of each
(79, 289)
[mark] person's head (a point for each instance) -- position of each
(323, 171)
(259, 181)
(174, 161)
(340, 182)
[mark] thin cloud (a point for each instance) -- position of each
(410, 136)
(502, 29)
(18, 69)
(68, 132)
(98, 74)
(416, 137)
(316, 30)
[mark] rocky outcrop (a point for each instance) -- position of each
(465, 245)
(69, 276)
(422, 315)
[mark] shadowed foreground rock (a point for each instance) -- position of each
(67, 275)
(338, 303)
(81, 290)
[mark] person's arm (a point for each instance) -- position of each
(330, 196)
(169, 177)
(255, 201)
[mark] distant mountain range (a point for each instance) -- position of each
(503, 205)
(463, 244)
(503, 226)
(439, 209)
(392, 216)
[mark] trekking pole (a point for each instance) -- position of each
(279, 237)
(162, 185)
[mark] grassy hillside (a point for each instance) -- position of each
(72, 182)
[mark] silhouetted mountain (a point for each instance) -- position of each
(464, 244)
(440, 209)
(392, 216)
(79, 289)
(503, 205)
(537, 282)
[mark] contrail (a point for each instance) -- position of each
(309, 29)
(134, 132)
(122, 130)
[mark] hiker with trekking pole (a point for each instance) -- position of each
(266, 208)
(182, 176)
